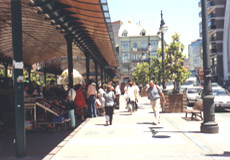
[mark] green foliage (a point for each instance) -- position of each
(174, 61)
(2, 73)
(141, 73)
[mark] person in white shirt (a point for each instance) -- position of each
(71, 96)
(136, 88)
(131, 95)
(117, 93)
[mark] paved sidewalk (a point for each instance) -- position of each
(134, 137)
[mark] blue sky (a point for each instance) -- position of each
(180, 16)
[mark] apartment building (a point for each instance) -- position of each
(194, 55)
(135, 46)
(216, 25)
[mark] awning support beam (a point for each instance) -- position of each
(102, 81)
(87, 67)
(96, 74)
(69, 40)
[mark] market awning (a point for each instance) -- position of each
(45, 22)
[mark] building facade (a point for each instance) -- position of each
(194, 55)
(216, 29)
(135, 46)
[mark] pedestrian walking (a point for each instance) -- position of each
(154, 93)
(71, 105)
(131, 96)
(109, 103)
(137, 90)
(91, 96)
(117, 93)
(101, 98)
(79, 100)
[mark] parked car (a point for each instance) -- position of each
(190, 82)
(221, 99)
(192, 93)
(215, 84)
(169, 86)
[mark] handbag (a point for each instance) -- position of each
(70, 105)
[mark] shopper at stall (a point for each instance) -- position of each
(71, 105)
(80, 102)
(109, 103)
(48, 89)
(91, 96)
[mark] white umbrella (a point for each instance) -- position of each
(64, 78)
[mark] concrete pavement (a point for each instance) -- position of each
(134, 137)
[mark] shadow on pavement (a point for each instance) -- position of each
(147, 123)
(225, 154)
(38, 143)
(190, 119)
(161, 136)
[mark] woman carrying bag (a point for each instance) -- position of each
(71, 105)
(109, 103)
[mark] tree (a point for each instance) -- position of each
(141, 73)
(174, 62)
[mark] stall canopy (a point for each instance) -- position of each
(45, 24)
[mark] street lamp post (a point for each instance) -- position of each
(163, 29)
(209, 125)
(149, 51)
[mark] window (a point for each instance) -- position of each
(125, 46)
(143, 32)
(144, 46)
(154, 45)
(125, 69)
(125, 33)
(153, 54)
(125, 57)
(136, 57)
(135, 47)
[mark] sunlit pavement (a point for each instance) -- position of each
(134, 137)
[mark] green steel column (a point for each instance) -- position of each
(18, 79)
(105, 76)
(69, 40)
(6, 73)
(56, 79)
(44, 73)
(29, 73)
(102, 81)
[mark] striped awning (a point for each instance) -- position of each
(45, 22)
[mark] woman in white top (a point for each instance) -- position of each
(131, 95)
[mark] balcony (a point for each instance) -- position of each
(211, 27)
(212, 15)
(213, 50)
(212, 39)
(211, 6)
